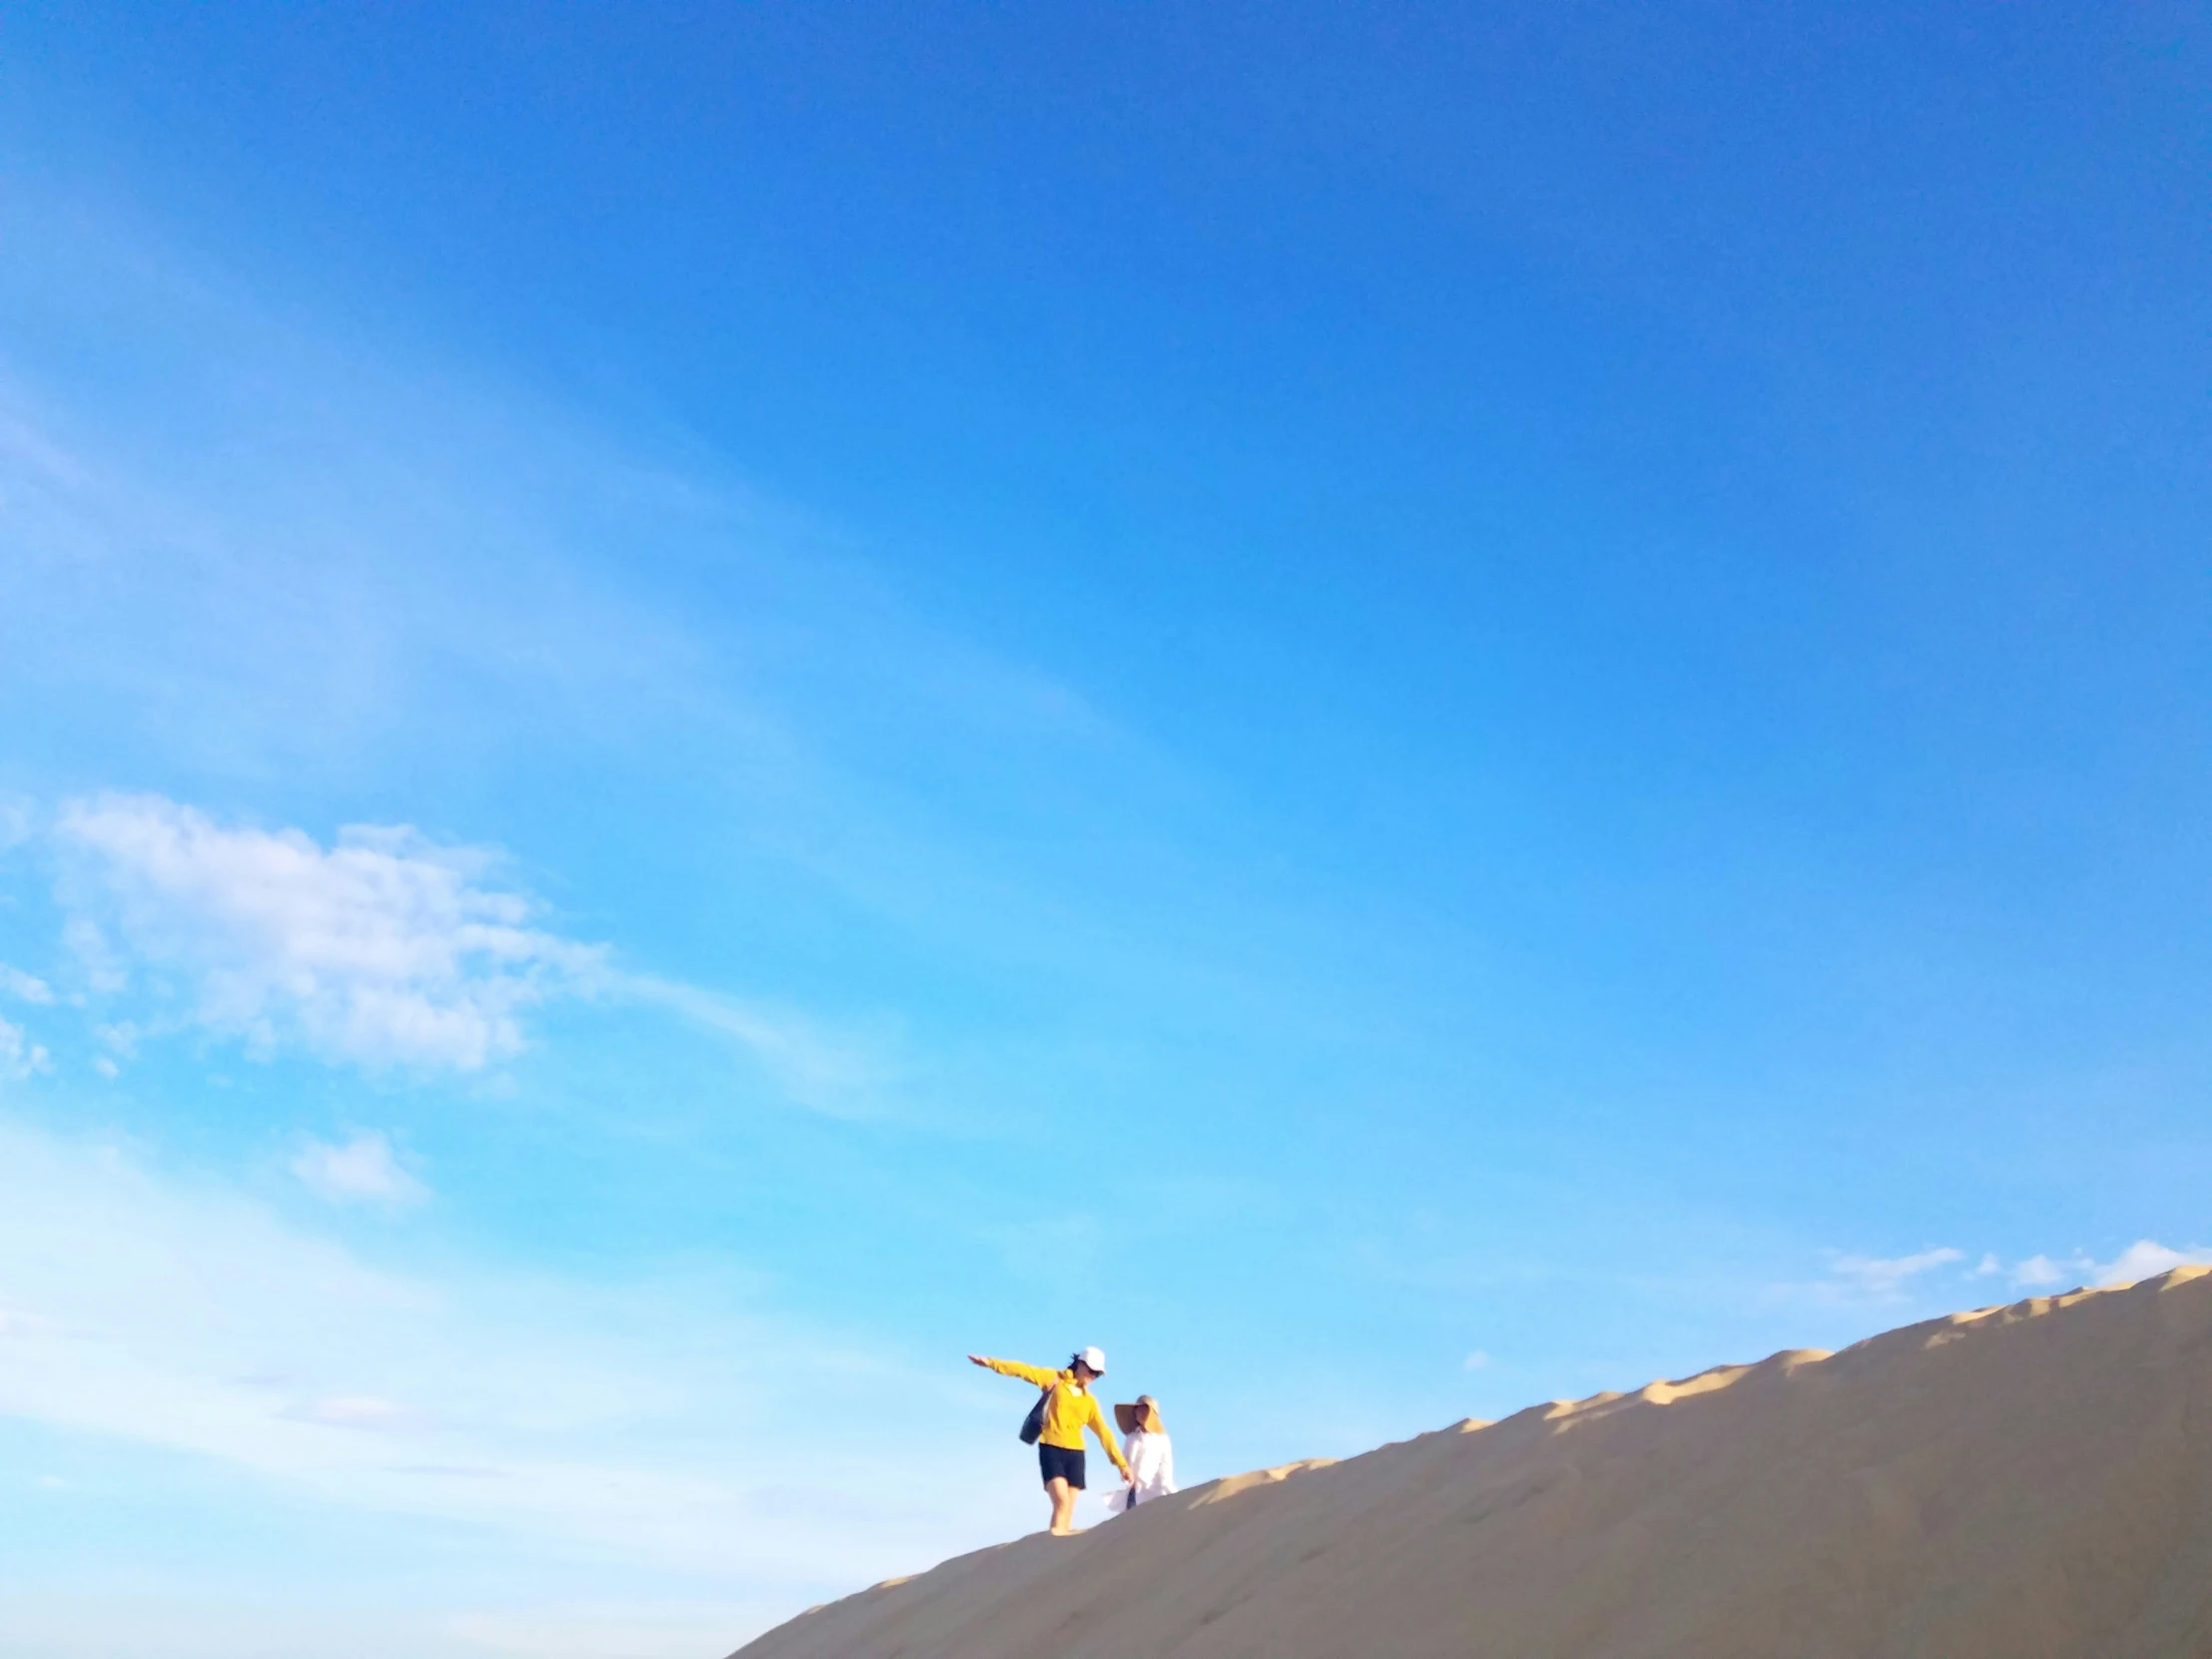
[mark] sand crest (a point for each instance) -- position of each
(2032, 1481)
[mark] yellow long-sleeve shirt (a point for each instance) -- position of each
(1071, 1409)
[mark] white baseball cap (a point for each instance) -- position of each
(1095, 1357)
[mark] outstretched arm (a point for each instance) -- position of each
(1035, 1375)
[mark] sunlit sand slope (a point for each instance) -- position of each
(2022, 1482)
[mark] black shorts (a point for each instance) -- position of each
(1059, 1464)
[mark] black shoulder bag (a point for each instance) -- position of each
(1033, 1425)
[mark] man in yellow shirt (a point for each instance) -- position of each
(1069, 1409)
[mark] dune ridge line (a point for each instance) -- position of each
(2025, 1482)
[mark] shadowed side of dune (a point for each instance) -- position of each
(2032, 1481)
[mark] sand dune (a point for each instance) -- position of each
(2022, 1482)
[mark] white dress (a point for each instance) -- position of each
(1151, 1461)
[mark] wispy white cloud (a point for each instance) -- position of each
(19, 1056)
(383, 948)
(837, 1072)
(2042, 1272)
(96, 964)
(2140, 1260)
(24, 987)
(356, 1410)
(24, 446)
(380, 949)
(658, 1420)
(1896, 1279)
(2146, 1257)
(1885, 1276)
(363, 1171)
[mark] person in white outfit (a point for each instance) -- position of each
(1151, 1453)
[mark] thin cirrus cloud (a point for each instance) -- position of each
(358, 1411)
(652, 1419)
(362, 1170)
(380, 949)
(1886, 1277)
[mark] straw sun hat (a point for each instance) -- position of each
(1142, 1412)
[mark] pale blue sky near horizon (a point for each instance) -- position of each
(1403, 709)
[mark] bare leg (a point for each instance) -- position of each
(1063, 1506)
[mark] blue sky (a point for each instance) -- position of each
(1401, 710)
